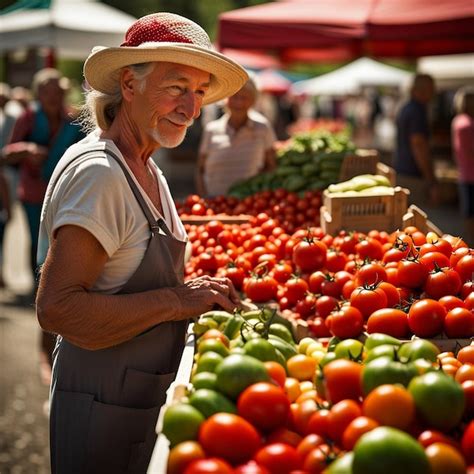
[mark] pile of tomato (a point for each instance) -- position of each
(402, 284)
(292, 210)
(346, 408)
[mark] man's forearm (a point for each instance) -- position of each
(96, 321)
(421, 152)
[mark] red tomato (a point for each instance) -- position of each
(347, 322)
(251, 468)
(371, 273)
(428, 437)
(261, 289)
(264, 405)
(459, 323)
(393, 295)
(331, 287)
(282, 272)
(335, 260)
(342, 380)
(315, 280)
(469, 301)
(318, 327)
(355, 429)
(369, 248)
(306, 306)
(325, 304)
(236, 275)
(467, 443)
(340, 415)
(230, 437)
(396, 254)
(426, 318)
(450, 302)
(318, 424)
(442, 282)
(278, 458)
(457, 255)
(310, 255)
(209, 466)
(411, 273)
(391, 321)
(367, 300)
(276, 372)
(284, 435)
(465, 267)
(296, 289)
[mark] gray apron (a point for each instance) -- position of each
(105, 403)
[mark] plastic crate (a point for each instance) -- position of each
(364, 213)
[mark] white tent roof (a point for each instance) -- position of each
(72, 27)
(450, 70)
(350, 78)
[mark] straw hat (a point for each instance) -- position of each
(170, 38)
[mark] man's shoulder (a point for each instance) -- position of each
(217, 124)
(259, 120)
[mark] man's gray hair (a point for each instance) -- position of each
(100, 109)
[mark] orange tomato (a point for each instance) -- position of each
(182, 455)
(390, 405)
(355, 429)
(301, 367)
(340, 415)
(444, 458)
(292, 388)
(276, 372)
(466, 355)
(465, 372)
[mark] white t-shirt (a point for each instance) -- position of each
(93, 193)
(234, 155)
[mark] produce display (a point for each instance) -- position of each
(309, 161)
(403, 284)
(259, 402)
(362, 185)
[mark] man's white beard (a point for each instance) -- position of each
(167, 141)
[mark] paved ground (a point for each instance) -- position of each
(23, 422)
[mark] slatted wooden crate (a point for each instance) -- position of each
(364, 213)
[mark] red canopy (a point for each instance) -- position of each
(384, 28)
(252, 59)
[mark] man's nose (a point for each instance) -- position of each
(190, 106)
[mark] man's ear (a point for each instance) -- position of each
(127, 84)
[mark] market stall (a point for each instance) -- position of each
(387, 28)
(357, 340)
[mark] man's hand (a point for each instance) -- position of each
(204, 293)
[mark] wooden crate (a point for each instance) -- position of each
(387, 171)
(360, 162)
(364, 213)
(418, 218)
(224, 218)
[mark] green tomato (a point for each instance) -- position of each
(328, 357)
(439, 399)
(333, 342)
(418, 349)
(236, 372)
(422, 366)
(384, 350)
(261, 349)
(389, 451)
(377, 339)
(349, 349)
(282, 331)
(208, 361)
(342, 465)
(383, 370)
(214, 345)
(181, 422)
(209, 402)
(204, 380)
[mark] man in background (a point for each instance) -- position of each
(413, 161)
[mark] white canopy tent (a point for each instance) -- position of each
(351, 78)
(449, 71)
(71, 27)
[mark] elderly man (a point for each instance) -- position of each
(236, 146)
(112, 281)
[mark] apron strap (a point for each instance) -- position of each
(155, 225)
